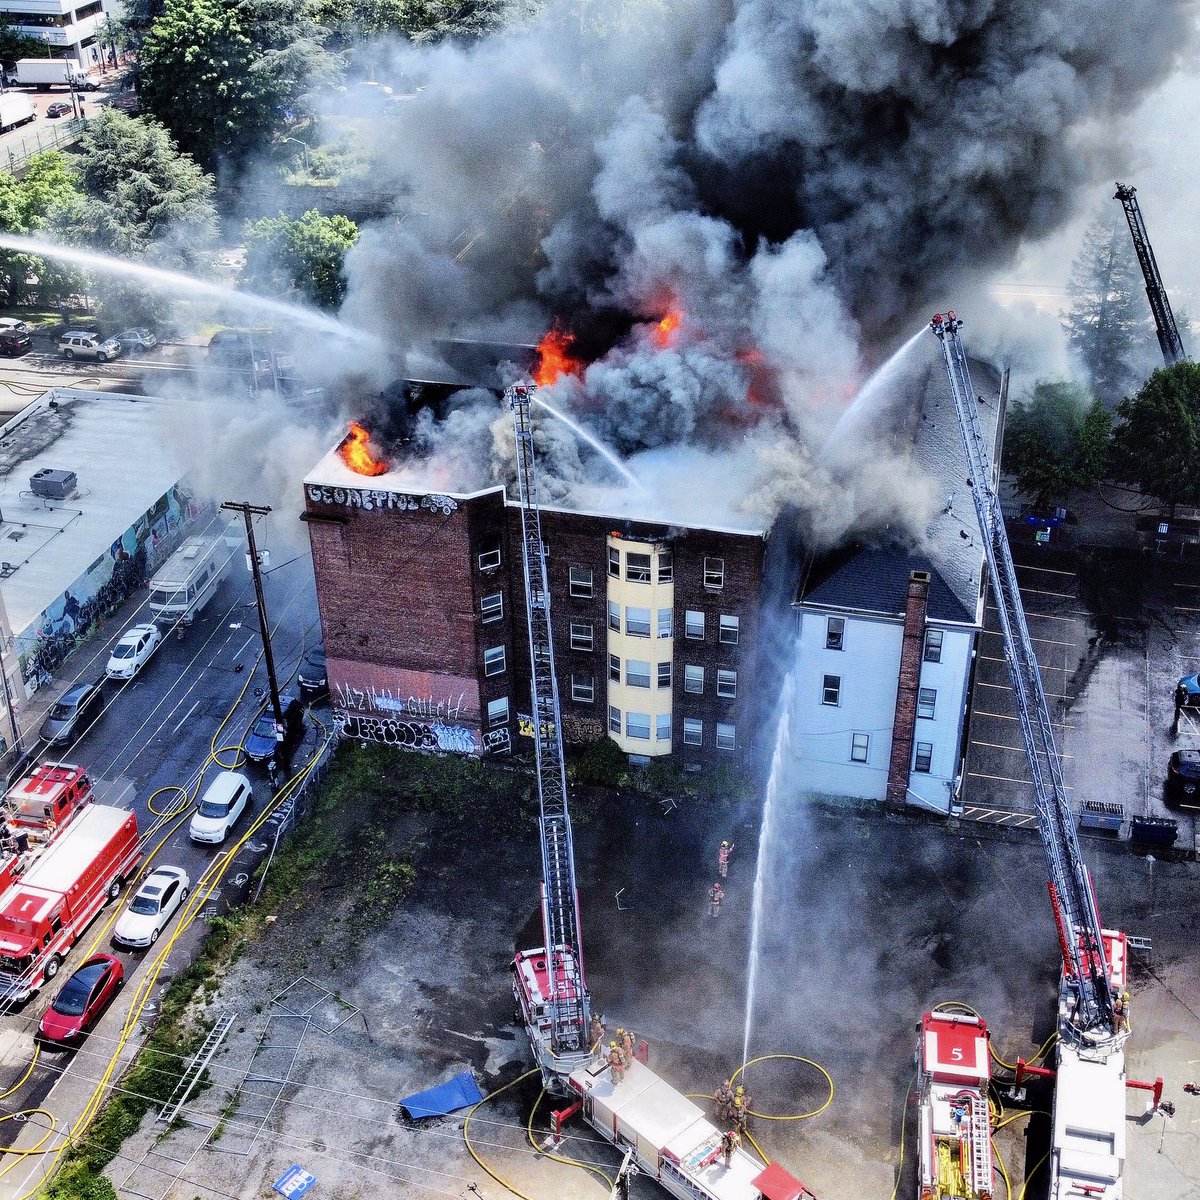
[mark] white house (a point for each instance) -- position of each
(887, 633)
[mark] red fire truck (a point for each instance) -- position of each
(48, 908)
(41, 803)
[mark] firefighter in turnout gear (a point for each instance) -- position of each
(616, 1064)
(723, 1099)
(731, 1140)
(627, 1047)
(741, 1108)
(723, 857)
(715, 896)
(596, 1031)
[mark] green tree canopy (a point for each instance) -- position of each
(420, 20)
(307, 255)
(47, 194)
(222, 74)
(14, 44)
(1108, 319)
(1056, 442)
(1157, 441)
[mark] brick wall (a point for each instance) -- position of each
(908, 691)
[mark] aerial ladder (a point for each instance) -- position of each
(1169, 340)
(548, 982)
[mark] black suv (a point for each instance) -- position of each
(1183, 777)
(311, 677)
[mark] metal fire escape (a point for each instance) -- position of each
(567, 997)
(1169, 340)
(1070, 885)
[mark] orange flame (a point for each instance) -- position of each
(664, 331)
(356, 452)
(555, 358)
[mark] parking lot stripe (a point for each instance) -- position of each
(1043, 616)
(1002, 717)
(1043, 592)
(1048, 570)
(1013, 749)
(1182, 608)
(1048, 641)
(1008, 779)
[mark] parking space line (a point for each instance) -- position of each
(1043, 616)
(1043, 592)
(1184, 608)
(1048, 570)
(1004, 687)
(1001, 717)
(1008, 779)
(1048, 641)
(1011, 749)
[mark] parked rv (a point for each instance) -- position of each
(188, 580)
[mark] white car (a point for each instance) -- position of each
(224, 800)
(129, 655)
(152, 906)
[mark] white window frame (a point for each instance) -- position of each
(629, 728)
(693, 679)
(489, 560)
(583, 635)
(923, 755)
(726, 737)
(634, 626)
(714, 574)
(927, 703)
(664, 674)
(726, 684)
(643, 572)
(860, 747)
(490, 660)
(614, 562)
(666, 623)
(491, 607)
(833, 689)
(666, 565)
(614, 616)
(835, 633)
(633, 676)
(662, 727)
(583, 692)
(497, 712)
(614, 719)
(614, 668)
(730, 625)
(934, 641)
(693, 731)
(693, 621)
(581, 582)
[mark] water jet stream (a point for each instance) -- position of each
(866, 393)
(595, 443)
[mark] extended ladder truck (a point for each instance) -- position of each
(1087, 1155)
(1169, 341)
(661, 1133)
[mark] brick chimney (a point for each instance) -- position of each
(905, 722)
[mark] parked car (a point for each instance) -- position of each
(223, 802)
(260, 742)
(13, 325)
(13, 343)
(152, 906)
(135, 341)
(311, 678)
(131, 653)
(82, 343)
(1183, 777)
(82, 999)
(75, 710)
(60, 108)
(240, 347)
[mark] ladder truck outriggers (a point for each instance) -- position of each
(1087, 1154)
(1169, 341)
(662, 1133)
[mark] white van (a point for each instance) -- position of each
(223, 802)
(189, 579)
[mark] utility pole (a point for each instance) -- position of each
(248, 512)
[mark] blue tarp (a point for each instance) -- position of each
(456, 1093)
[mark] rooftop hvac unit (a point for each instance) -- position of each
(52, 485)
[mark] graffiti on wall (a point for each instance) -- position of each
(582, 731)
(375, 699)
(525, 726)
(496, 741)
(370, 499)
(104, 586)
(406, 735)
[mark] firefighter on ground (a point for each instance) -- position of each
(616, 1064)
(723, 857)
(731, 1140)
(715, 896)
(723, 1099)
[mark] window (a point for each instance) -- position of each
(924, 757)
(493, 661)
(666, 566)
(614, 668)
(637, 725)
(581, 635)
(637, 622)
(662, 727)
(831, 690)
(693, 680)
(614, 719)
(726, 737)
(860, 744)
(614, 565)
(637, 674)
(926, 702)
(693, 624)
(664, 675)
(637, 567)
(614, 616)
(693, 732)
(933, 645)
(727, 684)
(581, 581)
(492, 607)
(714, 572)
(583, 688)
(497, 712)
(489, 559)
(835, 628)
(729, 630)
(89, 10)
(666, 623)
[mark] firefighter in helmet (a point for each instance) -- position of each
(715, 896)
(731, 1140)
(595, 1031)
(723, 857)
(723, 1099)
(741, 1107)
(616, 1064)
(627, 1047)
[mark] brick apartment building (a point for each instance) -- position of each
(421, 596)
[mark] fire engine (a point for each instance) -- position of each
(48, 908)
(40, 804)
(954, 1130)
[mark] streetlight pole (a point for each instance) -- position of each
(303, 146)
(249, 511)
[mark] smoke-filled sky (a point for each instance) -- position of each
(801, 181)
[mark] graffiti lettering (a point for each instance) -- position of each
(376, 699)
(582, 731)
(496, 741)
(370, 499)
(525, 726)
(408, 735)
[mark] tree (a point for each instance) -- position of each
(222, 74)
(47, 193)
(419, 20)
(14, 44)
(1108, 315)
(307, 255)
(1056, 442)
(1157, 443)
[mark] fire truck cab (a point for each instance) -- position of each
(41, 803)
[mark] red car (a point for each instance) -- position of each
(84, 996)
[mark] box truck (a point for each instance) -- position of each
(14, 111)
(44, 73)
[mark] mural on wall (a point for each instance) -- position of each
(414, 710)
(105, 585)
